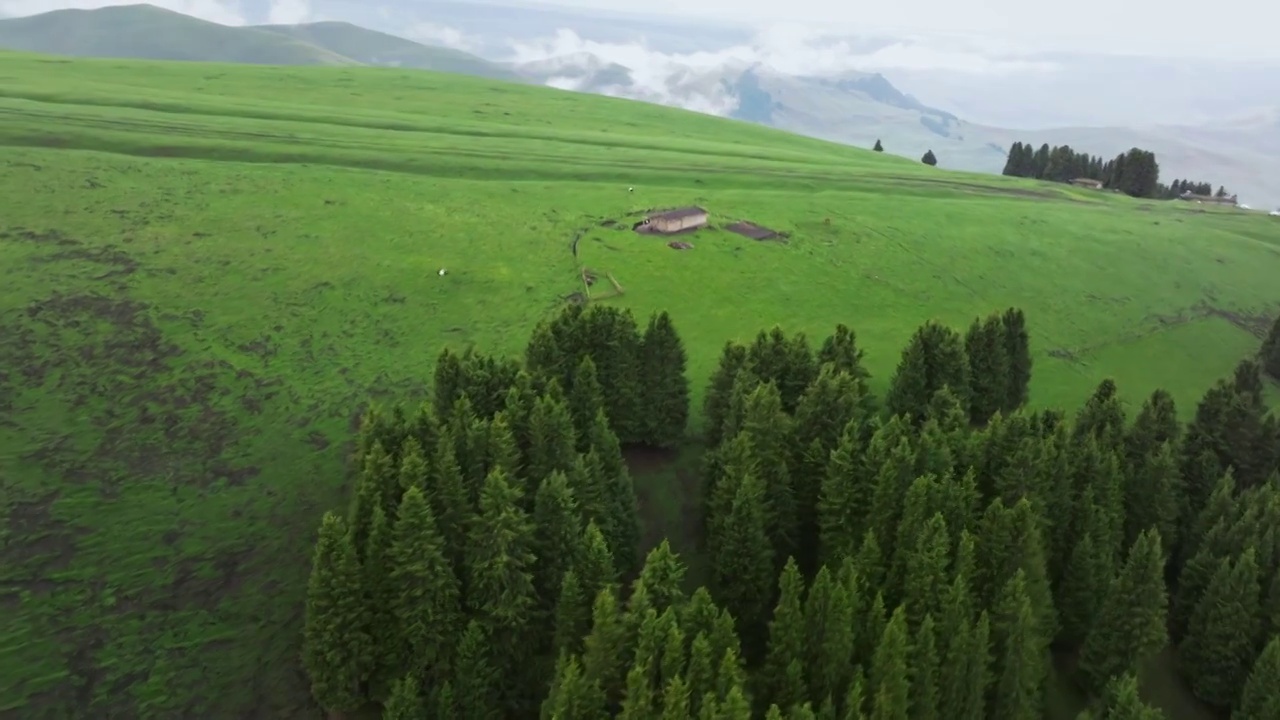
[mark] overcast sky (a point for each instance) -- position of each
(1221, 28)
(1196, 28)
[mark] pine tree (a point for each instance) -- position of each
(925, 691)
(1271, 351)
(573, 696)
(423, 592)
(933, 358)
(500, 589)
(586, 399)
(1131, 625)
(1122, 702)
(666, 388)
(557, 531)
(831, 614)
(603, 648)
(661, 580)
(770, 430)
(375, 572)
(989, 368)
(878, 147)
(929, 158)
(1018, 352)
(786, 642)
(475, 680)
(451, 501)
(1154, 497)
(742, 555)
(844, 499)
(552, 437)
(620, 507)
(336, 648)
(719, 393)
(925, 570)
(404, 702)
(1022, 663)
(1261, 697)
(1225, 628)
(890, 676)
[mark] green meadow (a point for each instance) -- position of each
(207, 271)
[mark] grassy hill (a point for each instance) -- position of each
(149, 32)
(374, 48)
(206, 270)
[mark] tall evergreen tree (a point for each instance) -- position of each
(665, 386)
(573, 696)
(1018, 352)
(1131, 625)
(1271, 351)
(844, 499)
(878, 147)
(557, 537)
(929, 158)
(831, 615)
(475, 680)
(890, 671)
(785, 684)
(1260, 699)
(925, 690)
(1222, 641)
(1122, 702)
(989, 368)
(404, 702)
(715, 407)
(586, 400)
(934, 358)
(1022, 660)
(336, 648)
(424, 594)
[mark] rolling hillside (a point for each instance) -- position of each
(149, 32)
(374, 48)
(207, 270)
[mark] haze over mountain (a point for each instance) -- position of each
(956, 94)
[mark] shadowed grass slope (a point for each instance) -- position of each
(205, 270)
(152, 33)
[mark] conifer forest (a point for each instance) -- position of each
(917, 556)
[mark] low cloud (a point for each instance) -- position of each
(789, 49)
(690, 80)
(290, 12)
(442, 35)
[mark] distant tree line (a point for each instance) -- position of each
(915, 558)
(1135, 172)
(1178, 187)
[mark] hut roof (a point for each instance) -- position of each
(679, 213)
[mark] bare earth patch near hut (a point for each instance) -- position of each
(200, 290)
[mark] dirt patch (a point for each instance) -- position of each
(49, 237)
(642, 459)
(680, 245)
(755, 232)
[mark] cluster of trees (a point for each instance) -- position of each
(1271, 351)
(1134, 173)
(1178, 187)
(918, 557)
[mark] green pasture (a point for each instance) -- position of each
(206, 271)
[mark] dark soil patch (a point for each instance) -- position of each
(50, 237)
(755, 232)
(120, 263)
(680, 245)
(642, 459)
